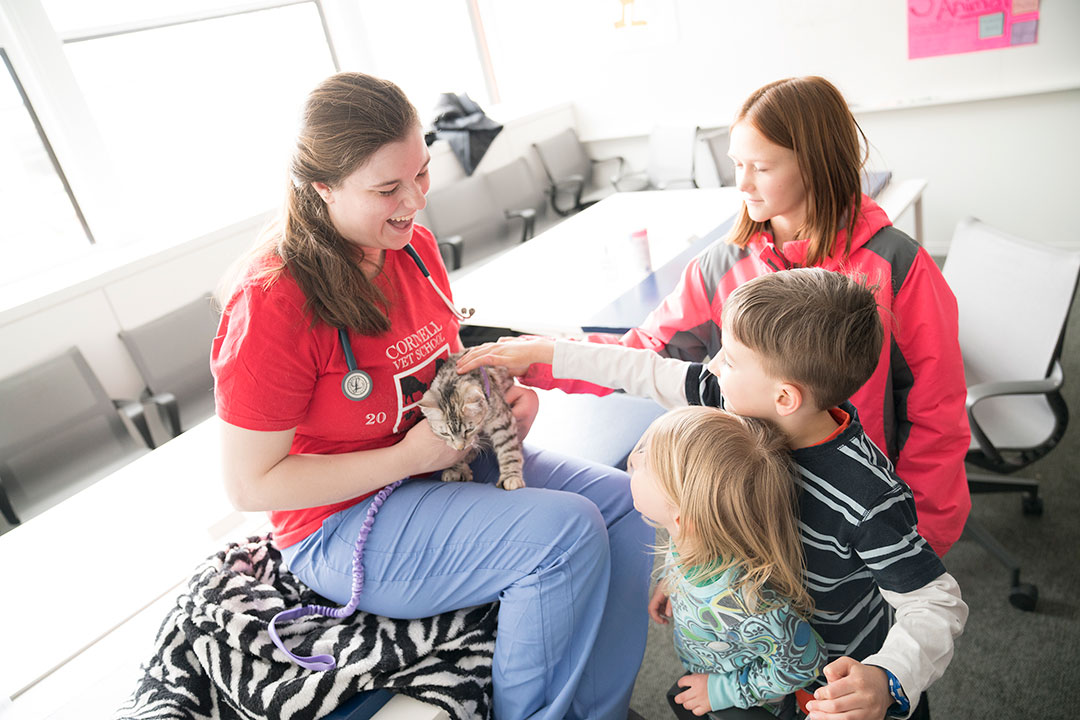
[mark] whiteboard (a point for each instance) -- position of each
(699, 59)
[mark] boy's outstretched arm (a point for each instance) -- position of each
(638, 372)
(514, 354)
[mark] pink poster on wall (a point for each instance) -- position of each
(946, 27)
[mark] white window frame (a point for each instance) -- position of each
(9, 70)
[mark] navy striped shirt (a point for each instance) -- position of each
(857, 524)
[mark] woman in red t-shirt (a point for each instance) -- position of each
(565, 556)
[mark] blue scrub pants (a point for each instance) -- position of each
(567, 557)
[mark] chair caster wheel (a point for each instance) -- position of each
(1024, 597)
(1032, 505)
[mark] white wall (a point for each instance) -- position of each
(697, 60)
(1010, 162)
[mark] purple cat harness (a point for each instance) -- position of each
(327, 662)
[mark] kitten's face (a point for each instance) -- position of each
(456, 417)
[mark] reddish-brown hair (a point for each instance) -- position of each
(809, 116)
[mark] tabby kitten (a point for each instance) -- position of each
(465, 410)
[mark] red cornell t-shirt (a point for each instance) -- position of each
(274, 371)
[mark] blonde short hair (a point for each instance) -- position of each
(731, 479)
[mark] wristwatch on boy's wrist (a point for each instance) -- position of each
(901, 705)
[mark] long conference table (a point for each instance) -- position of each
(86, 583)
(588, 272)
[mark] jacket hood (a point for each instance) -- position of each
(871, 219)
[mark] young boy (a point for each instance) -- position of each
(796, 345)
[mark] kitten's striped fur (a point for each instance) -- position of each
(465, 416)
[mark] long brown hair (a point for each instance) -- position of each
(731, 479)
(809, 116)
(345, 120)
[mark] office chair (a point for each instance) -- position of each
(484, 213)
(172, 354)
(518, 193)
(569, 171)
(59, 433)
(671, 161)
(718, 141)
(459, 212)
(1014, 298)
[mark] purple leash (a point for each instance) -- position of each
(326, 662)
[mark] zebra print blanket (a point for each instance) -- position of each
(214, 658)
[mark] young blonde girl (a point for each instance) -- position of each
(721, 485)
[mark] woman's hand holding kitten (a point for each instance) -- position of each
(524, 405)
(428, 451)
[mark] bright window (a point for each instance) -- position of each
(426, 47)
(37, 213)
(198, 116)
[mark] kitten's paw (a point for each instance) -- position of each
(511, 481)
(457, 473)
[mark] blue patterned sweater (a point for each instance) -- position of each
(753, 656)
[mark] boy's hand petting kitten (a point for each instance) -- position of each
(515, 354)
(469, 410)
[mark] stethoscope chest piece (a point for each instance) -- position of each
(356, 385)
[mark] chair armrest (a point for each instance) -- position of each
(620, 169)
(688, 182)
(136, 413)
(631, 182)
(982, 391)
(169, 406)
(573, 185)
(614, 158)
(528, 218)
(6, 478)
(454, 244)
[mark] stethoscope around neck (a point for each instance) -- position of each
(357, 385)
